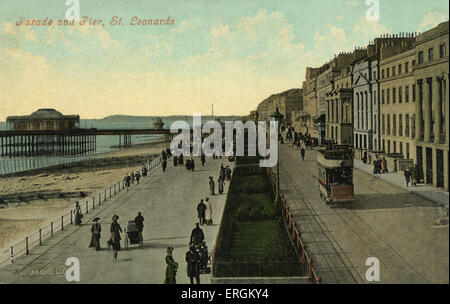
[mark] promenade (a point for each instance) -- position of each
(406, 232)
(168, 202)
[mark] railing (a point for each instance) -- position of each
(37, 237)
(293, 232)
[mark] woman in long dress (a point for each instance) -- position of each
(208, 212)
(116, 230)
(78, 214)
(220, 183)
(171, 269)
(95, 230)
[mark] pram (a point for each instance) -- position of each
(205, 257)
(132, 235)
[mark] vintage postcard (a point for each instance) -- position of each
(224, 142)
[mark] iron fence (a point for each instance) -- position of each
(37, 237)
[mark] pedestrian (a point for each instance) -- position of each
(222, 171)
(180, 159)
(384, 167)
(197, 236)
(193, 264)
(164, 165)
(115, 230)
(201, 209)
(208, 212)
(96, 229)
(302, 153)
(364, 159)
(164, 155)
(211, 185)
(228, 172)
(171, 269)
(413, 176)
(175, 161)
(203, 159)
(220, 184)
(192, 164)
(138, 177)
(407, 174)
(78, 214)
(132, 177)
(139, 220)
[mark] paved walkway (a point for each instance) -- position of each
(407, 233)
(431, 193)
(168, 203)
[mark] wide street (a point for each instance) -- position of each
(168, 202)
(401, 229)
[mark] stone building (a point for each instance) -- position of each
(366, 91)
(397, 104)
(43, 119)
(304, 122)
(287, 102)
(431, 108)
(339, 116)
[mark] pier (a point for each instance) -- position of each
(65, 142)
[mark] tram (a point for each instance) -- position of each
(335, 177)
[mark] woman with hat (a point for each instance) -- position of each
(95, 238)
(78, 214)
(171, 269)
(116, 230)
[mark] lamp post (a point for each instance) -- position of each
(277, 117)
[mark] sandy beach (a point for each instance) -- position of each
(21, 217)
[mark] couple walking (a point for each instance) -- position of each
(204, 212)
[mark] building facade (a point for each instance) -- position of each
(44, 120)
(287, 102)
(397, 104)
(339, 116)
(431, 75)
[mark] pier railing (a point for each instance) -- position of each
(293, 232)
(59, 223)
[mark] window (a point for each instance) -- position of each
(400, 95)
(406, 93)
(413, 63)
(394, 125)
(388, 126)
(400, 125)
(375, 75)
(413, 92)
(407, 125)
(442, 50)
(387, 73)
(394, 95)
(382, 96)
(399, 69)
(382, 124)
(430, 54)
(393, 71)
(388, 97)
(406, 67)
(420, 57)
(374, 97)
(382, 74)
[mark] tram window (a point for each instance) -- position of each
(341, 176)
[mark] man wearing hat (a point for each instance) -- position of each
(193, 264)
(171, 269)
(197, 235)
(95, 230)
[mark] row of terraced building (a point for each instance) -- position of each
(388, 99)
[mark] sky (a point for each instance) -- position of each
(232, 54)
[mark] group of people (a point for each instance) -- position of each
(412, 175)
(204, 212)
(380, 166)
(134, 176)
(165, 155)
(115, 230)
(196, 257)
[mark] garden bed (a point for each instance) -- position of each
(252, 239)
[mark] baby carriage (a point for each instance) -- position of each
(132, 235)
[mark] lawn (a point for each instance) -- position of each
(252, 238)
